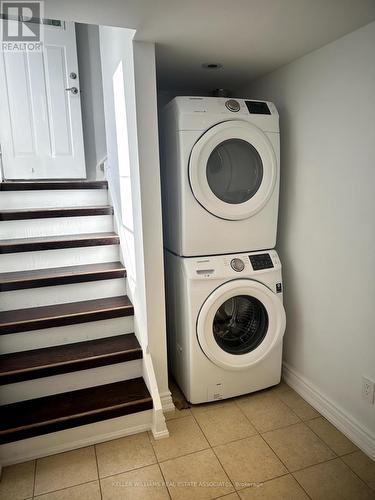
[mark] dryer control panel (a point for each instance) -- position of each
(261, 261)
(258, 107)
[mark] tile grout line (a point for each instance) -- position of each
(328, 446)
(352, 453)
(127, 470)
(34, 479)
(292, 409)
(354, 472)
(287, 468)
(165, 481)
(314, 465)
(97, 470)
(321, 439)
(63, 489)
(213, 451)
(232, 440)
(217, 458)
(303, 422)
(158, 464)
(281, 427)
(293, 476)
(337, 456)
(243, 413)
(184, 455)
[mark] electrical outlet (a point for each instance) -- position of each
(368, 387)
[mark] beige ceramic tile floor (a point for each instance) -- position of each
(269, 445)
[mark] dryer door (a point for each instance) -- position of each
(239, 323)
(232, 170)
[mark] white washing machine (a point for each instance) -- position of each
(225, 322)
(220, 175)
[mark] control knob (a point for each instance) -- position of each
(232, 105)
(237, 265)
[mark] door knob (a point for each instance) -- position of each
(73, 90)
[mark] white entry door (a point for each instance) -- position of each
(41, 123)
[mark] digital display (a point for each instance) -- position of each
(258, 107)
(261, 261)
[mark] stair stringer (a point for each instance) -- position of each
(158, 424)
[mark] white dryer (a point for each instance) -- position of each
(220, 175)
(225, 322)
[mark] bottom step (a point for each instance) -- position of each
(35, 417)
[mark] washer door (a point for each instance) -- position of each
(239, 323)
(232, 170)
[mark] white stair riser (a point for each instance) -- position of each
(44, 259)
(35, 228)
(53, 198)
(73, 381)
(61, 294)
(48, 337)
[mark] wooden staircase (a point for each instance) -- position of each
(68, 354)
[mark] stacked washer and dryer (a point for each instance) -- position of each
(220, 185)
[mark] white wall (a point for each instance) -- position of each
(90, 75)
(326, 234)
(149, 172)
(129, 86)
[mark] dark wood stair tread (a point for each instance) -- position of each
(56, 242)
(39, 416)
(61, 275)
(35, 318)
(45, 185)
(43, 213)
(28, 365)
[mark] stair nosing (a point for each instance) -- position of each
(61, 278)
(97, 411)
(71, 362)
(69, 318)
(52, 242)
(50, 213)
(72, 413)
(22, 322)
(86, 361)
(52, 185)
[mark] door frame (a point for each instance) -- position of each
(43, 112)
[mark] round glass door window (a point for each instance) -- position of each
(240, 324)
(234, 171)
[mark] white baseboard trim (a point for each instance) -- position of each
(337, 416)
(160, 434)
(77, 437)
(167, 402)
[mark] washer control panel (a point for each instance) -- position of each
(232, 105)
(237, 264)
(233, 266)
(261, 261)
